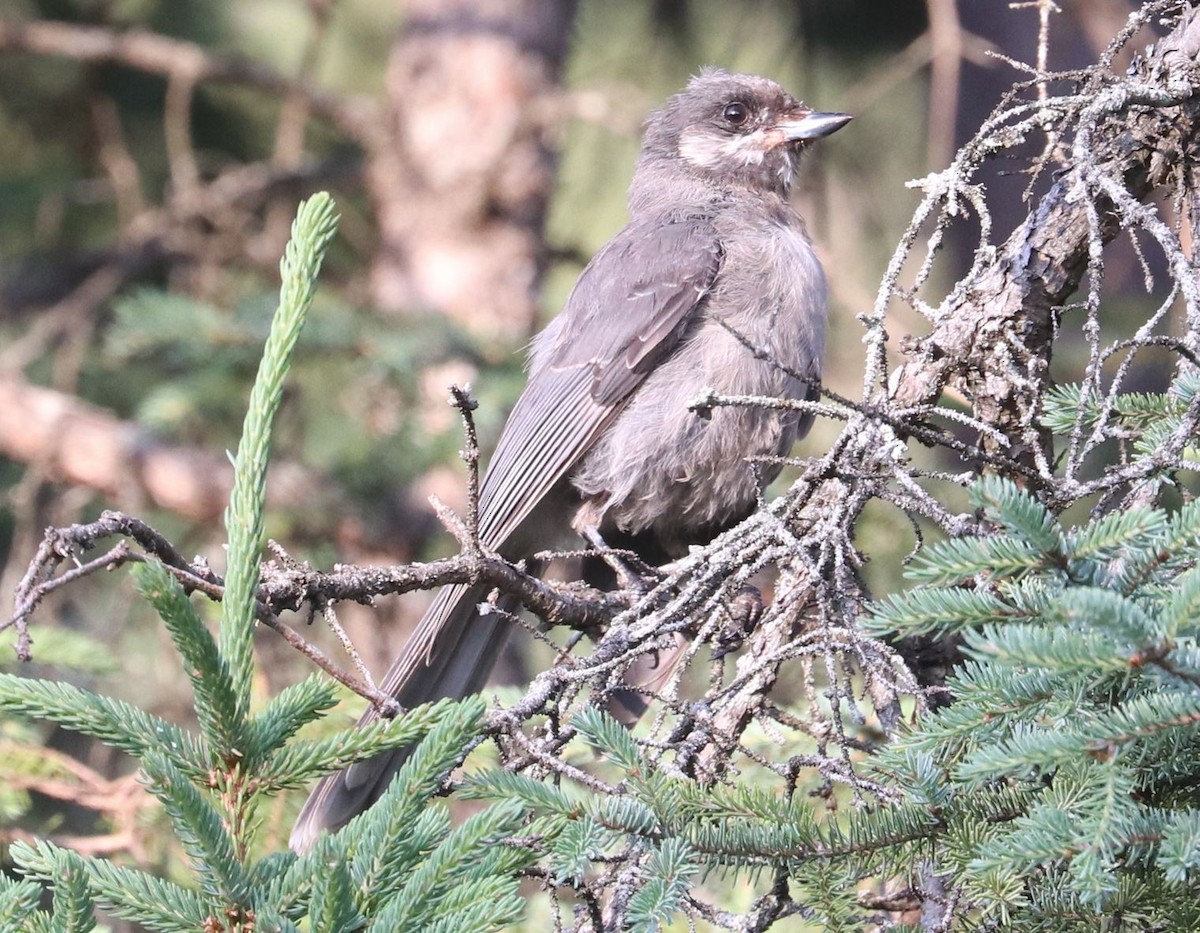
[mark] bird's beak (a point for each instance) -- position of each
(813, 125)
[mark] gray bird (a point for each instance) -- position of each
(602, 439)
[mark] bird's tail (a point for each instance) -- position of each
(450, 654)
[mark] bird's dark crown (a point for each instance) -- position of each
(722, 129)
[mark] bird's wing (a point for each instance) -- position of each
(626, 312)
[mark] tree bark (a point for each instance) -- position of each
(463, 168)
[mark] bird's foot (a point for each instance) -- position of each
(745, 610)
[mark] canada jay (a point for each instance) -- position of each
(714, 260)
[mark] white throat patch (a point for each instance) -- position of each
(711, 151)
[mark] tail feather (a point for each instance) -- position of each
(454, 661)
(645, 677)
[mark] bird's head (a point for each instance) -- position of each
(735, 130)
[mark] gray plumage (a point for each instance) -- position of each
(602, 436)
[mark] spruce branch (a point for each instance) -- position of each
(312, 231)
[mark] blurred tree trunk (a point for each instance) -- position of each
(462, 168)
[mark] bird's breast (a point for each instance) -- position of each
(772, 291)
(661, 465)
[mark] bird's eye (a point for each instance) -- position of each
(736, 113)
